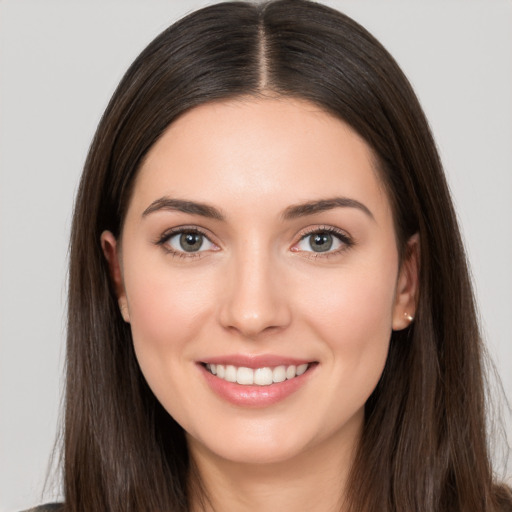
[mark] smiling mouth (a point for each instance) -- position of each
(264, 376)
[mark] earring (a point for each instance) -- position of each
(408, 317)
(123, 307)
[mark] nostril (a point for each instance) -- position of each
(255, 318)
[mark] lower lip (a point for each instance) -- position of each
(255, 396)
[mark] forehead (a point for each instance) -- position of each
(248, 152)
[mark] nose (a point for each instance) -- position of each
(255, 301)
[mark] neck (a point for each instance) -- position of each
(312, 480)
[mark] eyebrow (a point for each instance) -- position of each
(322, 205)
(290, 213)
(180, 205)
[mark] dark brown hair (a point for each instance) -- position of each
(423, 446)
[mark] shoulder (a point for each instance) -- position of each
(49, 507)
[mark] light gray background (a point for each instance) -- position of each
(59, 64)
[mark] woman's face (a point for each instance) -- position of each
(259, 245)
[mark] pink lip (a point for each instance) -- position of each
(256, 361)
(255, 396)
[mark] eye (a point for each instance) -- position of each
(186, 241)
(324, 241)
(189, 241)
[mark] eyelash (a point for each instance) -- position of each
(343, 237)
(162, 241)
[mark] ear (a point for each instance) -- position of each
(407, 288)
(112, 254)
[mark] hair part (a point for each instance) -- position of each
(423, 445)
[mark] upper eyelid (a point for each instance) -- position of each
(164, 238)
(324, 228)
(307, 231)
(303, 232)
(320, 228)
(184, 229)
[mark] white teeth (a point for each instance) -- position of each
(290, 371)
(260, 376)
(279, 374)
(230, 375)
(263, 376)
(301, 369)
(245, 376)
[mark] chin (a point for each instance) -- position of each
(260, 443)
(257, 453)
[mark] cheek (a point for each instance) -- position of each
(167, 312)
(353, 315)
(355, 299)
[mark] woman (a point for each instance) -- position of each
(269, 304)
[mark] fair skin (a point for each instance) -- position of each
(254, 281)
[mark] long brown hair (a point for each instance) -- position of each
(424, 440)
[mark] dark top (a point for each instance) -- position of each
(49, 507)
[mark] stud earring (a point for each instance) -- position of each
(408, 317)
(123, 307)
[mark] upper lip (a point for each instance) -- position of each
(255, 361)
